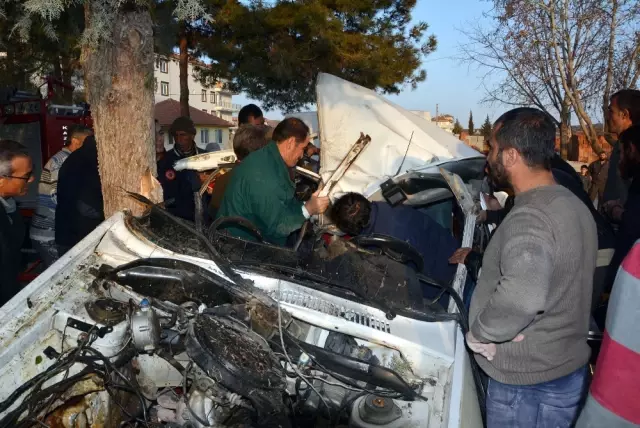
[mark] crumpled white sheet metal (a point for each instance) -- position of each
(346, 109)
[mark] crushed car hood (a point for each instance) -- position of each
(400, 140)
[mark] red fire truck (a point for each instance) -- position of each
(41, 125)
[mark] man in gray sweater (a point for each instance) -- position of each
(529, 315)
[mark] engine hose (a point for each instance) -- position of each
(464, 324)
(241, 221)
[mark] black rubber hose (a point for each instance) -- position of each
(223, 264)
(240, 221)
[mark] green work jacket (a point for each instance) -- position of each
(262, 192)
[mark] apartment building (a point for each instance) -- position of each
(216, 100)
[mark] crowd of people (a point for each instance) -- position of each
(550, 260)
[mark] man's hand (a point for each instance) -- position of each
(481, 217)
(317, 205)
(459, 256)
(487, 350)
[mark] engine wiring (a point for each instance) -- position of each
(38, 402)
(293, 366)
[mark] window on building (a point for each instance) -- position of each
(204, 96)
(212, 97)
(164, 66)
(204, 136)
(204, 110)
(164, 88)
(219, 136)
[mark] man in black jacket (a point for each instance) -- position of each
(15, 175)
(628, 214)
(80, 206)
(624, 112)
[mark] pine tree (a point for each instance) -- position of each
(457, 128)
(301, 38)
(486, 128)
(471, 128)
(273, 51)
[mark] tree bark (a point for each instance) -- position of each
(119, 84)
(184, 72)
(565, 129)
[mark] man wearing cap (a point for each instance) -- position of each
(180, 185)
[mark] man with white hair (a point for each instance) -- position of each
(16, 172)
(43, 224)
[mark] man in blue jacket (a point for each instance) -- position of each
(356, 215)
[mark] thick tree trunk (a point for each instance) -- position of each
(184, 72)
(119, 85)
(565, 130)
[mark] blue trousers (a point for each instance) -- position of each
(553, 404)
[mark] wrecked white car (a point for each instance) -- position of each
(151, 322)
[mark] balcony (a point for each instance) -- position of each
(221, 87)
(224, 106)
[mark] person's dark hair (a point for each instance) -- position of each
(182, 124)
(77, 131)
(631, 137)
(531, 132)
(629, 99)
(9, 150)
(584, 167)
(351, 213)
(250, 110)
(291, 127)
(248, 139)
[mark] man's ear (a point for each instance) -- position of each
(510, 157)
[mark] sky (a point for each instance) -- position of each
(455, 87)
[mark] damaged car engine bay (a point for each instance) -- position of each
(164, 342)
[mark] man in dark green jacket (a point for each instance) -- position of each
(261, 189)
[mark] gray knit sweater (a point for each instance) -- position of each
(537, 276)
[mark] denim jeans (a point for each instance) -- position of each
(553, 404)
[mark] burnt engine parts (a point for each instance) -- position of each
(188, 351)
(241, 361)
